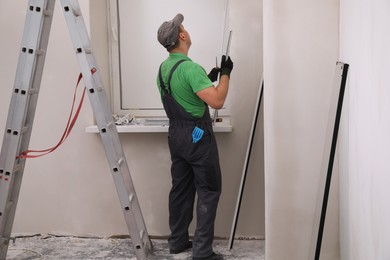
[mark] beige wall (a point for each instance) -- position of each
(300, 53)
(71, 190)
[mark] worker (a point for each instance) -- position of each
(186, 92)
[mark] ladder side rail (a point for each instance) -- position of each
(20, 100)
(108, 132)
(117, 160)
(40, 55)
(124, 185)
(21, 112)
(20, 97)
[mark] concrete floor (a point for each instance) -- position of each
(69, 247)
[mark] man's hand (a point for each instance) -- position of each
(213, 75)
(226, 66)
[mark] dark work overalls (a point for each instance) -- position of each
(195, 169)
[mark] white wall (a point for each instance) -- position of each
(300, 52)
(71, 190)
(364, 183)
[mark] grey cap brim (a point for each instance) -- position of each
(178, 19)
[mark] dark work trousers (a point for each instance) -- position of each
(195, 170)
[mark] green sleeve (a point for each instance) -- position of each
(197, 78)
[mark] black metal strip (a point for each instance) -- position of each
(331, 161)
(247, 165)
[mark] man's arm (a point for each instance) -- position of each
(215, 96)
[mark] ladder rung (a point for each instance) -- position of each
(86, 50)
(18, 167)
(97, 89)
(16, 132)
(40, 52)
(108, 126)
(5, 240)
(31, 51)
(111, 124)
(24, 129)
(9, 205)
(75, 9)
(120, 161)
(47, 13)
(33, 91)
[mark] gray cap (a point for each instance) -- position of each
(168, 32)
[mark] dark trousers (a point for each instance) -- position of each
(195, 169)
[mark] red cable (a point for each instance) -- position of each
(69, 126)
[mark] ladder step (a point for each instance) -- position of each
(9, 205)
(16, 132)
(40, 52)
(95, 90)
(74, 7)
(18, 167)
(120, 162)
(33, 91)
(24, 130)
(47, 13)
(24, 92)
(110, 125)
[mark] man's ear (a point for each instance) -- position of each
(182, 35)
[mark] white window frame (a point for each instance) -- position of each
(115, 67)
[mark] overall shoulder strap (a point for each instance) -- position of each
(167, 88)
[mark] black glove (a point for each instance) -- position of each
(213, 75)
(226, 66)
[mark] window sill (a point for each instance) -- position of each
(219, 127)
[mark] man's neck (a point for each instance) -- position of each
(180, 50)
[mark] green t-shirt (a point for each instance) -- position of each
(188, 78)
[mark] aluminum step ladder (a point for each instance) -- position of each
(22, 110)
